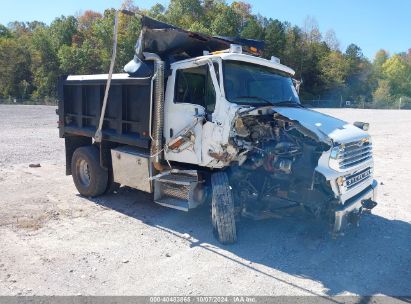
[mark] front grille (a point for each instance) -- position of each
(353, 180)
(354, 153)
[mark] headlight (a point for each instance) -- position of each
(334, 152)
(334, 161)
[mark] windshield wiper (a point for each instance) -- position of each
(265, 101)
(288, 103)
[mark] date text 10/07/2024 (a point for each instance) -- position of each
(202, 299)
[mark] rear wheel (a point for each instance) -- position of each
(88, 176)
(222, 209)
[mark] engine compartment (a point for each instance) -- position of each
(276, 168)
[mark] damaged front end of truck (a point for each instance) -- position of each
(279, 170)
(291, 159)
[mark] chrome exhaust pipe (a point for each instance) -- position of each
(156, 150)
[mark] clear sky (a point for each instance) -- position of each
(371, 24)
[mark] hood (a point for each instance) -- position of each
(324, 126)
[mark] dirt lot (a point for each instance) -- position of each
(54, 242)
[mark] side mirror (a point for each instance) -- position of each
(297, 84)
(362, 125)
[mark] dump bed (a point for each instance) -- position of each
(127, 117)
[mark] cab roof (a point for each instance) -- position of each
(240, 57)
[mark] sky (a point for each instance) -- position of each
(371, 24)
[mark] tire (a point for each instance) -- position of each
(222, 209)
(88, 176)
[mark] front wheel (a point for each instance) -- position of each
(222, 209)
(88, 176)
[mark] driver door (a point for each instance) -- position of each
(191, 102)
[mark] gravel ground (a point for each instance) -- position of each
(54, 242)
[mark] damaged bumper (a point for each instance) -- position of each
(350, 212)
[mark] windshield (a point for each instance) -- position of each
(256, 85)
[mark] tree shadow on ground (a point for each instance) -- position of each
(374, 258)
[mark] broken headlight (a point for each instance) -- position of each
(334, 161)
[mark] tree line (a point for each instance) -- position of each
(33, 54)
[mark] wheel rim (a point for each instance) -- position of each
(84, 173)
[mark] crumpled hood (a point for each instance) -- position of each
(324, 126)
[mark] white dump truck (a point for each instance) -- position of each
(205, 120)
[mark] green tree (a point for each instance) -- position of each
(408, 57)
(184, 12)
(15, 75)
(62, 30)
(4, 32)
(227, 23)
(380, 58)
(275, 38)
(359, 75)
(243, 10)
(398, 74)
(82, 59)
(129, 31)
(382, 95)
(45, 64)
(334, 72)
(252, 29)
(211, 8)
(157, 12)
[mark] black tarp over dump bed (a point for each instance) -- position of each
(167, 40)
(127, 116)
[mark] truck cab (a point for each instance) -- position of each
(224, 128)
(212, 89)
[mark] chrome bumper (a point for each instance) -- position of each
(353, 207)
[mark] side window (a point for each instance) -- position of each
(190, 85)
(195, 86)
